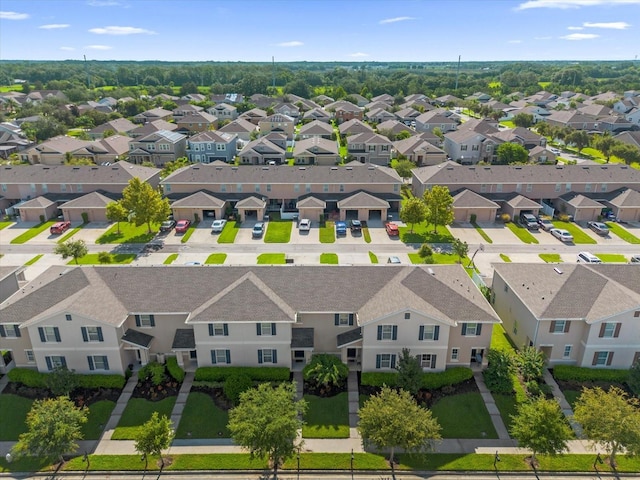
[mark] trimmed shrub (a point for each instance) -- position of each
(30, 378)
(34, 379)
(505, 217)
(448, 378)
(584, 374)
(499, 375)
(473, 218)
(634, 378)
(85, 217)
(101, 381)
(176, 372)
(425, 251)
(154, 371)
(379, 379)
(257, 374)
(325, 370)
(235, 385)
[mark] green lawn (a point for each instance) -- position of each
(216, 259)
(623, 233)
(200, 406)
(423, 233)
(522, 233)
(271, 259)
(228, 234)
(482, 233)
(70, 234)
(612, 258)
(550, 257)
(99, 414)
(33, 260)
(129, 233)
(116, 258)
(505, 258)
(579, 235)
(327, 417)
(15, 409)
(500, 340)
(571, 396)
(137, 412)
(4, 225)
(366, 234)
(327, 232)
(278, 231)
(439, 258)
(170, 259)
(187, 235)
(506, 406)
(464, 416)
(329, 258)
(32, 232)
(373, 257)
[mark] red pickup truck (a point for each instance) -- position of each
(59, 227)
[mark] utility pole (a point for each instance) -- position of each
(457, 73)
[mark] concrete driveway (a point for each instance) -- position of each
(499, 233)
(15, 230)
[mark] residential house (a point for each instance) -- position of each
(541, 155)
(316, 128)
(229, 98)
(184, 110)
(117, 125)
(223, 112)
(240, 127)
(595, 110)
(479, 96)
(152, 115)
(447, 100)
(12, 140)
(194, 97)
(207, 147)
(633, 116)
(152, 127)
(370, 148)
(261, 101)
(613, 124)
(262, 151)
(277, 123)
(559, 309)
(53, 151)
(414, 97)
(316, 151)
(385, 98)
(288, 109)
(255, 115)
(93, 205)
(626, 105)
(359, 99)
(469, 147)
(408, 115)
(196, 122)
(323, 100)
(354, 127)
(391, 128)
(377, 105)
(428, 121)
(316, 114)
(105, 150)
(379, 115)
(159, 148)
(522, 136)
(630, 138)
(573, 119)
(344, 111)
(541, 99)
(419, 151)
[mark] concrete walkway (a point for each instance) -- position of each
(3, 382)
(564, 405)
(181, 401)
(117, 412)
(494, 413)
(354, 404)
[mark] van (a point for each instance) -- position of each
(586, 257)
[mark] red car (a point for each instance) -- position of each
(182, 226)
(59, 227)
(392, 229)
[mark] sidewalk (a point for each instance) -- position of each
(564, 405)
(494, 413)
(116, 414)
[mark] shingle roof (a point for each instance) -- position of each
(212, 136)
(199, 199)
(184, 339)
(468, 199)
(251, 202)
(362, 200)
(38, 202)
(316, 127)
(302, 338)
(239, 125)
(311, 202)
(137, 338)
(578, 200)
(626, 198)
(348, 337)
(90, 200)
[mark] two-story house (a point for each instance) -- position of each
(344, 111)
(262, 151)
(316, 114)
(196, 122)
(316, 128)
(152, 115)
(207, 147)
(316, 151)
(469, 147)
(277, 123)
(370, 148)
(428, 121)
(117, 125)
(223, 112)
(158, 148)
(419, 151)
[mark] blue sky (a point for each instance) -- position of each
(320, 30)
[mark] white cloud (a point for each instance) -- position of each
(98, 47)
(13, 16)
(103, 3)
(54, 26)
(612, 25)
(514, 41)
(575, 28)
(67, 49)
(565, 4)
(395, 20)
(580, 36)
(120, 31)
(358, 55)
(294, 43)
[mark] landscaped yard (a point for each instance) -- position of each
(228, 234)
(32, 232)
(70, 234)
(200, 406)
(99, 414)
(505, 258)
(612, 257)
(550, 257)
(33, 260)
(366, 234)
(14, 410)
(137, 412)
(271, 259)
(506, 406)
(327, 417)
(329, 258)
(129, 233)
(423, 233)
(170, 259)
(116, 258)
(373, 257)
(522, 233)
(278, 231)
(579, 235)
(327, 232)
(216, 259)
(464, 416)
(439, 258)
(571, 396)
(623, 233)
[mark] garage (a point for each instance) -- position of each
(367, 206)
(93, 205)
(311, 208)
(468, 204)
(198, 206)
(251, 208)
(375, 215)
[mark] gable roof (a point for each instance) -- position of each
(239, 125)
(362, 200)
(354, 126)
(316, 127)
(199, 199)
(117, 125)
(469, 199)
(316, 146)
(212, 136)
(90, 200)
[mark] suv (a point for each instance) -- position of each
(586, 257)
(258, 230)
(167, 225)
(59, 227)
(304, 225)
(529, 221)
(392, 229)
(341, 228)
(356, 226)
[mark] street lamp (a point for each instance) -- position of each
(298, 457)
(352, 456)
(596, 461)
(496, 459)
(479, 249)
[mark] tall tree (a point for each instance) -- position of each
(523, 120)
(509, 153)
(439, 206)
(72, 248)
(460, 248)
(579, 138)
(413, 211)
(403, 167)
(409, 372)
(117, 213)
(605, 144)
(392, 419)
(266, 422)
(154, 436)
(53, 428)
(145, 204)
(610, 419)
(627, 153)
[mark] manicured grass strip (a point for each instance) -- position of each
(571, 396)
(623, 233)
(70, 234)
(187, 235)
(216, 259)
(329, 258)
(24, 464)
(464, 416)
(199, 406)
(500, 340)
(373, 257)
(228, 234)
(423, 233)
(612, 257)
(15, 409)
(551, 257)
(116, 258)
(506, 406)
(5, 224)
(337, 461)
(129, 233)
(271, 259)
(278, 231)
(33, 260)
(366, 234)
(99, 414)
(170, 259)
(522, 233)
(579, 235)
(505, 258)
(482, 233)
(327, 233)
(327, 417)
(439, 258)
(32, 232)
(138, 411)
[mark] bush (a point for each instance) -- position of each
(34, 379)
(583, 374)
(61, 381)
(379, 379)
(42, 219)
(473, 218)
(634, 378)
(505, 217)
(325, 370)
(425, 251)
(563, 217)
(28, 377)
(85, 217)
(257, 374)
(235, 385)
(428, 260)
(154, 371)
(450, 377)
(176, 372)
(498, 376)
(518, 390)
(101, 381)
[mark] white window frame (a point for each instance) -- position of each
(57, 361)
(559, 326)
(425, 360)
(471, 330)
(343, 319)
(609, 330)
(604, 356)
(30, 356)
(387, 332)
(221, 356)
(145, 320)
(266, 357)
(265, 328)
(566, 353)
(49, 334)
(429, 332)
(455, 354)
(218, 330)
(100, 362)
(10, 330)
(385, 360)
(92, 334)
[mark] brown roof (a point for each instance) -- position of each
(468, 199)
(199, 199)
(90, 200)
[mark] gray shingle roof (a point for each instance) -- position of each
(137, 338)
(466, 199)
(302, 338)
(362, 200)
(349, 337)
(199, 199)
(184, 339)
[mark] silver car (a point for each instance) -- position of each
(562, 235)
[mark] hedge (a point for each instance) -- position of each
(257, 374)
(28, 377)
(583, 374)
(175, 370)
(430, 381)
(379, 379)
(35, 379)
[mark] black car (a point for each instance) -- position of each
(355, 226)
(167, 225)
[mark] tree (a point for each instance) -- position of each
(61, 381)
(605, 144)
(409, 372)
(610, 419)
(460, 248)
(53, 428)
(403, 135)
(579, 138)
(392, 419)
(437, 131)
(145, 204)
(634, 378)
(523, 120)
(403, 167)
(266, 422)
(413, 211)
(117, 213)
(153, 437)
(105, 258)
(530, 362)
(325, 371)
(509, 153)
(628, 153)
(541, 427)
(73, 248)
(439, 206)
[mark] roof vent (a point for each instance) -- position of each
(334, 168)
(349, 168)
(44, 168)
(114, 168)
(431, 271)
(487, 168)
(94, 168)
(584, 167)
(449, 168)
(472, 168)
(557, 270)
(624, 167)
(265, 168)
(302, 168)
(196, 168)
(603, 167)
(76, 168)
(218, 168)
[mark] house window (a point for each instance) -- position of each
(587, 187)
(266, 328)
(385, 360)
(567, 351)
(257, 188)
(396, 188)
(429, 332)
(455, 354)
(220, 356)
(372, 148)
(567, 187)
(92, 334)
(407, 315)
(499, 188)
(4, 187)
(636, 314)
(145, 321)
(609, 330)
(31, 358)
(296, 187)
(558, 187)
(223, 187)
(341, 188)
(483, 188)
(463, 148)
(343, 319)
(98, 362)
(602, 358)
(9, 331)
(529, 187)
(471, 329)
(238, 187)
(559, 326)
(63, 187)
(68, 317)
(387, 332)
(268, 187)
(325, 187)
(475, 148)
(307, 188)
(49, 334)
(55, 361)
(267, 355)
(167, 188)
(603, 187)
(518, 187)
(427, 360)
(221, 147)
(385, 148)
(79, 188)
(218, 330)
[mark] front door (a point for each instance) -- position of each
(476, 355)
(298, 356)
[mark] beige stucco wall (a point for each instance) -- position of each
(312, 214)
(483, 215)
(94, 214)
(18, 346)
(163, 331)
(517, 320)
(625, 346)
(628, 214)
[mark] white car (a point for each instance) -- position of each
(304, 225)
(562, 235)
(218, 225)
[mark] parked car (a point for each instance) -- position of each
(394, 260)
(635, 259)
(341, 228)
(182, 226)
(529, 220)
(586, 257)
(545, 224)
(218, 225)
(193, 263)
(355, 226)
(304, 225)
(562, 235)
(258, 230)
(167, 225)
(599, 227)
(59, 227)
(392, 229)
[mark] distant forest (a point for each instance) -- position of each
(308, 79)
